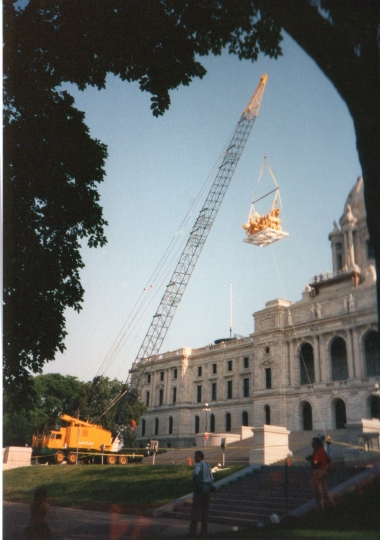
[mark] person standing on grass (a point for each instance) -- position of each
(321, 466)
(203, 483)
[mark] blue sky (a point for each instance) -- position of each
(155, 170)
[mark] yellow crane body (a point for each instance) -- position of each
(79, 441)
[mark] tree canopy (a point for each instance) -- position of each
(51, 164)
(56, 394)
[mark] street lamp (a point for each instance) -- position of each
(206, 409)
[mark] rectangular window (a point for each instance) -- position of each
(246, 362)
(175, 373)
(161, 396)
(214, 368)
(229, 389)
(161, 375)
(268, 377)
(147, 398)
(199, 371)
(148, 378)
(229, 365)
(199, 393)
(174, 395)
(245, 387)
(213, 391)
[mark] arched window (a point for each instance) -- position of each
(228, 422)
(143, 427)
(156, 426)
(339, 368)
(340, 414)
(371, 353)
(244, 418)
(267, 415)
(212, 423)
(307, 416)
(196, 427)
(170, 425)
(307, 364)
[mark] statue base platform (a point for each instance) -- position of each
(265, 237)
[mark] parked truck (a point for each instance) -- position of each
(79, 442)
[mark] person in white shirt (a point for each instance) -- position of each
(203, 482)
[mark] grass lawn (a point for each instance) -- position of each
(133, 489)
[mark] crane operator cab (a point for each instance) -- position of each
(264, 229)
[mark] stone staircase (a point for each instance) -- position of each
(254, 498)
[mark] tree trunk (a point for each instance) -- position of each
(367, 128)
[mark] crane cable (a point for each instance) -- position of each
(277, 188)
(122, 336)
(221, 181)
(159, 274)
(298, 341)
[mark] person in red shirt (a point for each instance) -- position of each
(321, 466)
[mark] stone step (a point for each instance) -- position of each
(257, 496)
(263, 503)
(262, 499)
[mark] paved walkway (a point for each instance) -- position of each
(69, 524)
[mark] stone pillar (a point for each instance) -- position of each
(345, 249)
(167, 387)
(358, 360)
(317, 360)
(351, 251)
(270, 444)
(350, 355)
(153, 388)
(325, 376)
(292, 377)
(288, 382)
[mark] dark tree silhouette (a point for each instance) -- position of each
(51, 164)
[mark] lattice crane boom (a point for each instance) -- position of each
(199, 233)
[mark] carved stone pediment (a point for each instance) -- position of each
(267, 363)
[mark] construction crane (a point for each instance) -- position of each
(199, 233)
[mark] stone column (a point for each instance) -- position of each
(153, 388)
(358, 359)
(345, 249)
(350, 355)
(292, 377)
(168, 386)
(317, 360)
(288, 383)
(325, 375)
(351, 246)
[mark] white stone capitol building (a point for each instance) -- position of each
(310, 364)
